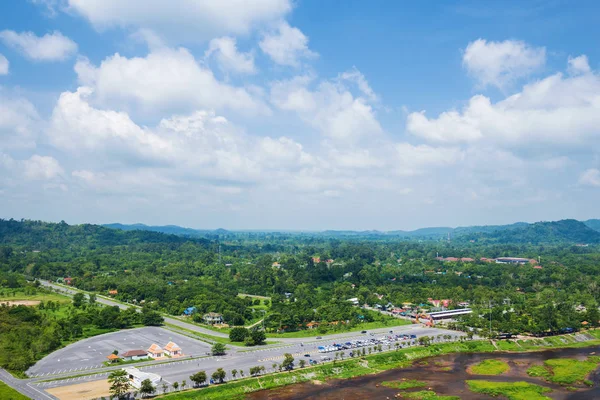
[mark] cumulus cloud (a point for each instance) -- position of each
(225, 51)
(41, 168)
(50, 47)
(182, 20)
(286, 46)
(18, 122)
(502, 63)
(554, 111)
(579, 65)
(4, 64)
(166, 80)
(590, 177)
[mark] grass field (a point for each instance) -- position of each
(388, 323)
(564, 371)
(8, 393)
(510, 390)
(39, 295)
(426, 395)
(404, 384)
(489, 367)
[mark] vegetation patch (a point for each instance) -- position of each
(489, 367)
(404, 384)
(426, 395)
(8, 393)
(510, 390)
(564, 371)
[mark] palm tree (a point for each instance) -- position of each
(119, 383)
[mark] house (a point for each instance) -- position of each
(276, 265)
(316, 260)
(113, 292)
(189, 311)
(512, 260)
(68, 281)
(113, 358)
(466, 259)
(136, 377)
(312, 325)
(439, 303)
(155, 351)
(537, 267)
(213, 318)
(171, 349)
(354, 301)
(134, 355)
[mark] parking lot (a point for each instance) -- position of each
(89, 354)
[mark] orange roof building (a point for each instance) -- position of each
(155, 351)
(112, 357)
(171, 349)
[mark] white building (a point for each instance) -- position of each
(136, 377)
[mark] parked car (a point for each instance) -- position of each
(413, 336)
(363, 332)
(319, 337)
(307, 355)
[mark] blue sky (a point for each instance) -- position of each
(299, 114)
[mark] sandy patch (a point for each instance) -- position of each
(20, 302)
(82, 391)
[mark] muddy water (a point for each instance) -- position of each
(445, 375)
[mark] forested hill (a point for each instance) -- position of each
(37, 235)
(564, 231)
(169, 229)
(593, 223)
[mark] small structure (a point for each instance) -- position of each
(68, 281)
(113, 292)
(213, 318)
(171, 349)
(312, 325)
(155, 351)
(134, 355)
(354, 301)
(136, 377)
(189, 311)
(512, 260)
(113, 358)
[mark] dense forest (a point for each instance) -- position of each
(310, 277)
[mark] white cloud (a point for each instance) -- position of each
(18, 122)
(286, 46)
(183, 20)
(590, 177)
(502, 63)
(41, 168)
(4, 64)
(165, 80)
(412, 160)
(554, 111)
(225, 50)
(50, 47)
(579, 65)
(354, 75)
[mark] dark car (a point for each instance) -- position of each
(307, 355)
(363, 332)
(413, 336)
(319, 337)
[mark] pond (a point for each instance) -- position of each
(445, 375)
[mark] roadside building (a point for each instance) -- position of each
(155, 351)
(113, 292)
(312, 325)
(189, 311)
(354, 301)
(213, 318)
(113, 358)
(134, 355)
(136, 377)
(512, 260)
(171, 349)
(68, 281)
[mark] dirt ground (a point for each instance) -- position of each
(82, 391)
(20, 302)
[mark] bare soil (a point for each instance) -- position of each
(82, 391)
(20, 302)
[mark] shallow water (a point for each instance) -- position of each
(445, 382)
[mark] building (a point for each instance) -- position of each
(113, 292)
(316, 260)
(449, 314)
(134, 355)
(68, 281)
(354, 301)
(312, 325)
(171, 349)
(189, 311)
(113, 358)
(136, 377)
(155, 351)
(512, 260)
(213, 318)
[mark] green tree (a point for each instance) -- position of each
(78, 300)
(258, 336)
(219, 375)
(92, 298)
(147, 388)
(151, 318)
(302, 363)
(288, 362)
(198, 378)
(183, 384)
(119, 383)
(238, 334)
(175, 385)
(165, 387)
(234, 373)
(218, 349)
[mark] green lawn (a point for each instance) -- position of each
(426, 395)
(8, 393)
(41, 295)
(510, 390)
(564, 371)
(404, 384)
(490, 367)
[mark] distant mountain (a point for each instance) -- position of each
(169, 229)
(593, 223)
(564, 231)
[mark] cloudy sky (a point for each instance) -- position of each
(297, 114)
